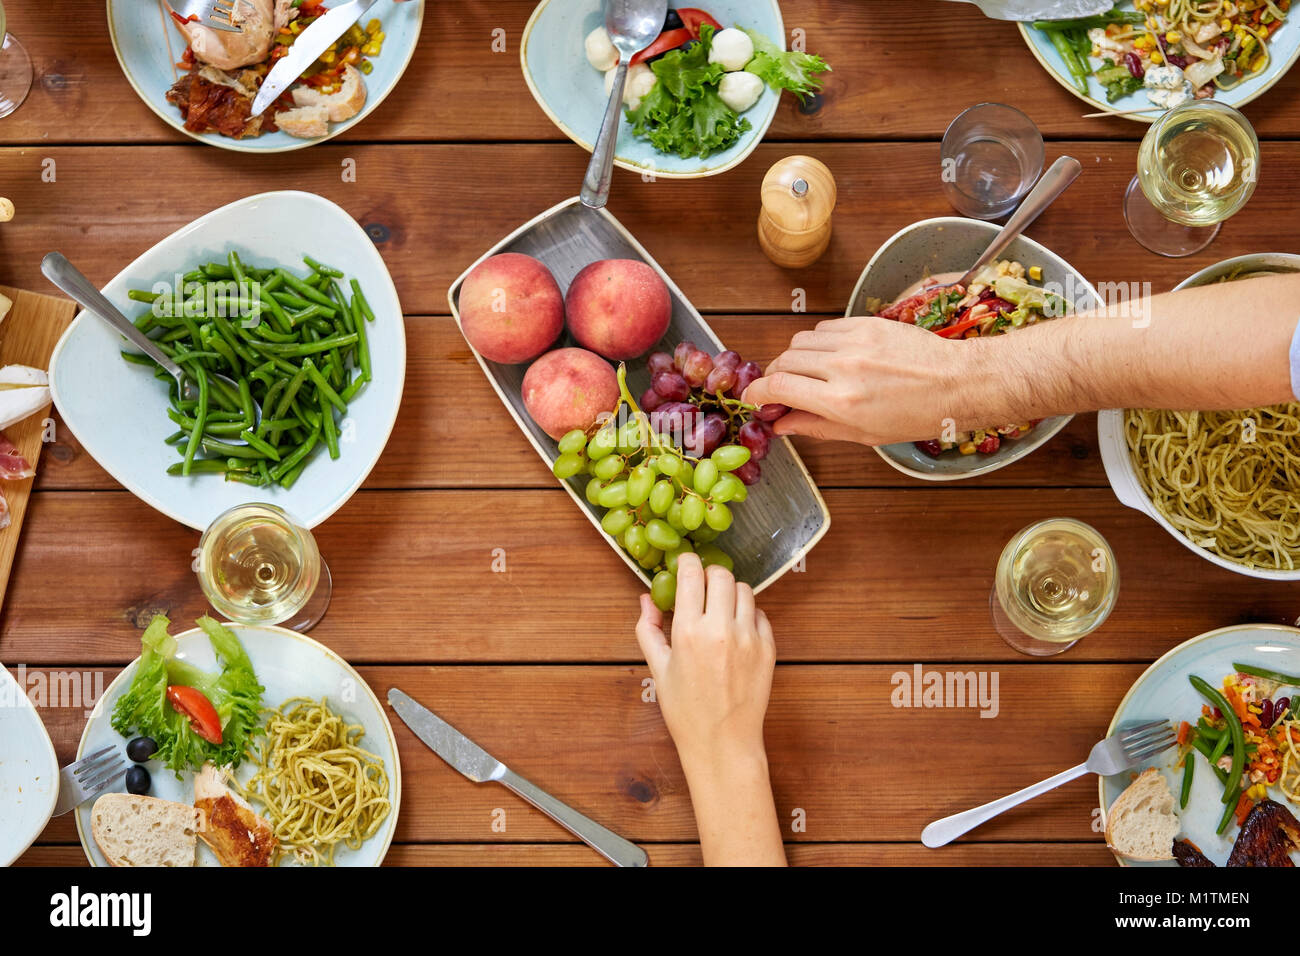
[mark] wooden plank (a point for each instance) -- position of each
(27, 337)
(901, 576)
(844, 760)
(900, 71)
(688, 854)
(882, 188)
(453, 432)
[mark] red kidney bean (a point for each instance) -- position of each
(1280, 707)
(1266, 714)
(1134, 64)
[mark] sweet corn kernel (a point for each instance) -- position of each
(1225, 25)
(1036, 273)
(967, 448)
(1173, 36)
(1156, 57)
(373, 27)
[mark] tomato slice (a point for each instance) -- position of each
(193, 704)
(668, 40)
(692, 17)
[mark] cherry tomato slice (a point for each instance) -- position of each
(193, 704)
(692, 17)
(668, 40)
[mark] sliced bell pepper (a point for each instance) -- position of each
(961, 326)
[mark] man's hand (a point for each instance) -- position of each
(867, 380)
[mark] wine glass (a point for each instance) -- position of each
(15, 70)
(1197, 166)
(257, 565)
(1056, 581)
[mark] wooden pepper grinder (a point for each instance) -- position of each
(798, 197)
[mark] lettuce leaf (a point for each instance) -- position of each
(683, 114)
(785, 69)
(235, 693)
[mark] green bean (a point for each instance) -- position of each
(322, 269)
(201, 466)
(331, 431)
(288, 480)
(361, 297)
(355, 386)
(286, 399)
(263, 447)
(363, 343)
(300, 453)
(323, 386)
(1267, 674)
(304, 289)
(1234, 727)
(1205, 750)
(177, 436)
(217, 270)
(1220, 748)
(200, 419)
(215, 447)
(245, 477)
(135, 358)
(306, 348)
(1231, 796)
(1189, 767)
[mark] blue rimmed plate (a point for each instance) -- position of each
(1284, 48)
(1163, 691)
(148, 46)
(572, 94)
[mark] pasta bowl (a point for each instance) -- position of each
(1120, 469)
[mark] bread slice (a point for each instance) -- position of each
(132, 830)
(305, 122)
(342, 105)
(1142, 822)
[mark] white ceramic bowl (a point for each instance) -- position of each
(29, 771)
(952, 244)
(118, 410)
(1115, 456)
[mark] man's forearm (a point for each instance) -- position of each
(1214, 347)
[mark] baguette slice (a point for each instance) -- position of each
(132, 830)
(1142, 822)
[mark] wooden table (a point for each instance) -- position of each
(539, 663)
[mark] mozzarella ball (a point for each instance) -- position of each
(600, 52)
(732, 48)
(640, 79)
(740, 90)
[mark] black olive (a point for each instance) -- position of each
(141, 749)
(138, 780)
(673, 21)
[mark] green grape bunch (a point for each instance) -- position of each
(659, 501)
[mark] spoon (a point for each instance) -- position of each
(632, 26)
(1053, 182)
(67, 277)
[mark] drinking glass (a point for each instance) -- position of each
(991, 157)
(257, 565)
(15, 70)
(1197, 166)
(1056, 581)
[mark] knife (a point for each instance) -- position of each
(1024, 10)
(306, 50)
(478, 765)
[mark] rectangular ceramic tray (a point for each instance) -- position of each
(784, 516)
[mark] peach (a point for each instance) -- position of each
(511, 309)
(569, 388)
(618, 308)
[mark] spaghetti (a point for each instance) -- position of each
(318, 787)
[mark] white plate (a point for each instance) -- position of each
(1163, 692)
(118, 411)
(148, 46)
(29, 771)
(1113, 444)
(288, 664)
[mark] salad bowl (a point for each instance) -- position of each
(29, 771)
(1117, 461)
(118, 411)
(572, 94)
(946, 245)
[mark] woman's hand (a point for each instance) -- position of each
(867, 380)
(712, 683)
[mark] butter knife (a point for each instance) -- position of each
(306, 50)
(475, 763)
(1024, 10)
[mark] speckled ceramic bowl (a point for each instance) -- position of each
(952, 244)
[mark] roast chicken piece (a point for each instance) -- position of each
(1189, 854)
(258, 21)
(236, 834)
(1267, 837)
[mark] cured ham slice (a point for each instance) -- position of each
(13, 465)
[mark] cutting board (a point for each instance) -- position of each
(27, 337)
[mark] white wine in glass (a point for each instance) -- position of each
(15, 70)
(1056, 581)
(258, 566)
(1197, 167)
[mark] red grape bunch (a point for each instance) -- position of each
(696, 398)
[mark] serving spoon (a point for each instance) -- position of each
(632, 26)
(1055, 181)
(69, 278)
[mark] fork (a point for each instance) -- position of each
(1117, 753)
(88, 778)
(218, 14)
